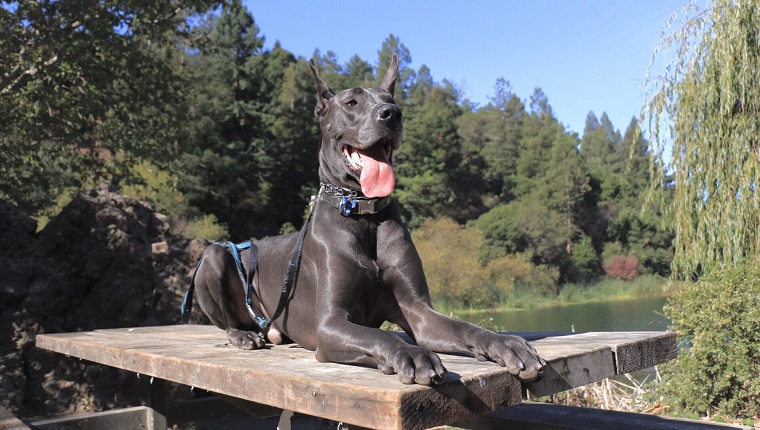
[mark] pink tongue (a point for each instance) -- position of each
(377, 178)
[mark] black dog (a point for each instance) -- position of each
(358, 268)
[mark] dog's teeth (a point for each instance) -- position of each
(352, 158)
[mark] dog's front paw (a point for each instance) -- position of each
(245, 339)
(414, 365)
(517, 355)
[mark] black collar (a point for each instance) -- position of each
(349, 202)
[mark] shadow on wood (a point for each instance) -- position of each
(289, 377)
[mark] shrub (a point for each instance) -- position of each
(718, 323)
(585, 260)
(507, 273)
(158, 187)
(457, 277)
(449, 256)
(206, 227)
(625, 267)
(44, 216)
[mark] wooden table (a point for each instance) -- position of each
(289, 377)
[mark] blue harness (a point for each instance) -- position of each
(346, 201)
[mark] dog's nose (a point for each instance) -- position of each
(389, 112)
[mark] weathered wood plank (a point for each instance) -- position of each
(135, 418)
(636, 350)
(288, 377)
(631, 351)
(572, 363)
(9, 422)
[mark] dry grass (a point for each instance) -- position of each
(625, 393)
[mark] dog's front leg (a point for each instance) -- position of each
(442, 334)
(402, 270)
(342, 339)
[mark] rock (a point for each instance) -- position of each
(93, 266)
(160, 248)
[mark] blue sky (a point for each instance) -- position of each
(589, 55)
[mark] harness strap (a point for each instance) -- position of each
(247, 282)
(293, 266)
(187, 303)
(348, 202)
(253, 265)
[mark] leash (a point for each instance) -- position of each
(348, 202)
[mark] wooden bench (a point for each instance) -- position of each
(287, 377)
(543, 416)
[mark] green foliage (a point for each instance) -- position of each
(84, 87)
(718, 322)
(44, 216)
(158, 187)
(206, 227)
(470, 283)
(705, 107)
(466, 283)
(524, 226)
(642, 235)
(585, 259)
(187, 109)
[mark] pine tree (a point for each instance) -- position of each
(566, 183)
(539, 131)
(359, 72)
(637, 172)
(406, 75)
(227, 167)
(435, 177)
(295, 145)
(501, 149)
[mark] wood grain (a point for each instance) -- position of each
(288, 377)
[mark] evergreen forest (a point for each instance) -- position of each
(181, 105)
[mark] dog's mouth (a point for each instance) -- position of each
(373, 167)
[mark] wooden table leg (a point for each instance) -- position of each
(158, 404)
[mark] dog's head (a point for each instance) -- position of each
(360, 130)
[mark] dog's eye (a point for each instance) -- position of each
(351, 102)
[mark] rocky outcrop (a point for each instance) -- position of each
(105, 261)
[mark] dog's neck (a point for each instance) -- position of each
(351, 202)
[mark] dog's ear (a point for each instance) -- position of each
(389, 81)
(324, 92)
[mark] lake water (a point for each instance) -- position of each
(643, 314)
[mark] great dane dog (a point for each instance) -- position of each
(358, 266)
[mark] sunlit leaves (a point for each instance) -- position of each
(705, 108)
